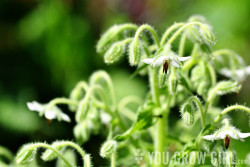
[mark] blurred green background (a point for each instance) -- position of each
(47, 46)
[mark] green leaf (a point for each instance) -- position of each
(144, 120)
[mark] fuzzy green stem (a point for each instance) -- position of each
(190, 63)
(161, 133)
(169, 31)
(43, 145)
(154, 85)
(228, 109)
(195, 99)
(179, 31)
(151, 30)
(182, 45)
(113, 160)
(62, 101)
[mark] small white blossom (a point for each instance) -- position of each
(227, 131)
(49, 114)
(240, 74)
(171, 58)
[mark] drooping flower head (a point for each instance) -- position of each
(226, 133)
(49, 113)
(166, 60)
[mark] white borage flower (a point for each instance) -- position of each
(49, 114)
(227, 132)
(240, 75)
(171, 59)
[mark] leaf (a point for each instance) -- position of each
(144, 120)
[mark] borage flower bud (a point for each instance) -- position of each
(114, 53)
(108, 148)
(26, 154)
(187, 114)
(135, 52)
(81, 132)
(207, 35)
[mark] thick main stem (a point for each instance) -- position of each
(160, 127)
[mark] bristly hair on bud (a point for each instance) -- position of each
(116, 51)
(108, 148)
(207, 35)
(135, 52)
(26, 154)
(187, 113)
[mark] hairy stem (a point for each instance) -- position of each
(43, 145)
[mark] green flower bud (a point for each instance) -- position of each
(114, 53)
(173, 82)
(187, 114)
(193, 34)
(49, 155)
(78, 93)
(26, 154)
(108, 148)
(135, 52)
(162, 78)
(81, 132)
(82, 110)
(207, 35)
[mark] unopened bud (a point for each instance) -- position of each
(26, 154)
(114, 53)
(108, 148)
(135, 52)
(187, 114)
(207, 35)
(173, 82)
(82, 110)
(81, 132)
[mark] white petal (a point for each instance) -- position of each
(209, 137)
(248, 70)
(50, 114)
(148, 61)
(160, 60)
(175, 63)
(184, 58)
(226, 72)
(65, 117)
(243, 135)
(35, 106)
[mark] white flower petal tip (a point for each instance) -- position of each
(148, 60)
(65, 117)
(35, 106)
(184, 58)
(243, 135)
(209, 137)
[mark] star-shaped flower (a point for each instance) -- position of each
(166, 60)
(49, 113)
(226, 133)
